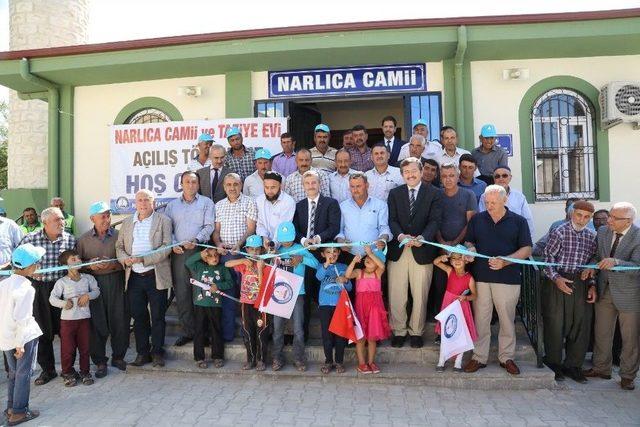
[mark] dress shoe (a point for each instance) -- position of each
(158, 360)
(101, 370)
(627, 384)
(141, 360)
(575, 374)
(592, 373)
(182, 341)
(511, 367)
(473, 366)
(119, 363)
(416, 341)
(397, 341)
(557, 370)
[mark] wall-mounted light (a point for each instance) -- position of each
(515, 74)
(193, 91)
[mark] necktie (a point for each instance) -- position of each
(312, 220)
(412, 201)
(388, 145)
(214, 182)
(615, 245)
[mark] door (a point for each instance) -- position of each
(303, 119)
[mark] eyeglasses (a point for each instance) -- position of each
(503, 176)
(617, 218)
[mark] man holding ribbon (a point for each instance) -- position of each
(55, 240)
(192, 218)
(496, 234)
(568, 298)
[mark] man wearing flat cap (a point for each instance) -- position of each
(568, 298)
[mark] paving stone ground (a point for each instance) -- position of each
(169, 399)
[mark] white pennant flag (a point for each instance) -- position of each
(455, 337)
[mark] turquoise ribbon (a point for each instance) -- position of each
(515, 260)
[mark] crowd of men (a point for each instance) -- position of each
(386, 192)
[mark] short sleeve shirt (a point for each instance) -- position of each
(233, 218)
(250, 284)
(454, 212)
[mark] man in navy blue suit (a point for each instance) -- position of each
(317, 220)
(393, 144)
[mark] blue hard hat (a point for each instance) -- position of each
(419, 122)
(488, 131)
(322, 128)
(98, 208)
(263, 153)
(26, 255)
(253, 241)
(205, 137)
(286, 232)
(232, 131)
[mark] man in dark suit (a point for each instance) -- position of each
(390, 141)
(317, 220)
(618, 295)
(211, 177)
(415, 211)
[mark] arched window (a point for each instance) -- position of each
(147, 115)
(564, 148)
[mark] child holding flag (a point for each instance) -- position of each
(332, 281)
(207, 304)
(294, 258)
(254, 323)
(369, 307)
(460, 286)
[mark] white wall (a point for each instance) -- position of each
(497, 101)
(96, 107)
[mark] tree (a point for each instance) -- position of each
(4, 138)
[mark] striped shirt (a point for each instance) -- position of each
(569, 247)
(141, 241)
(53, 249)
(283, 164)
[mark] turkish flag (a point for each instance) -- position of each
(266, 286)
(344, 322)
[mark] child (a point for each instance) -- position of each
(19, 331)
(369, 307)
(72, 294)
(332, 280)
(459, 282)
(207, 305)
(294, 263)
(255, 325)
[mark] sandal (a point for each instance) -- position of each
(87, 379)
(45, 377)
(248, 365)
(300, 366)
(28, 416)
(340, 368)
(326, 368)
(218, 363)
(276, 365)
(260, 366)
(70, 381)
(202, 364)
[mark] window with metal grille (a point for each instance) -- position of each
(426, 106)
(148, 115)
(564, 146)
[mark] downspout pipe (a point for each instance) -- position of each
(53, 140)
(43, 96)
(458, 74)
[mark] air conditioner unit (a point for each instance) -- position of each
(620, 102)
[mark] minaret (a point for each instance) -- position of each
(37, 24)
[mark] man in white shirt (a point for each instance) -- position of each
(382, 178)
(339, 180)
(274, 207)
(253, 185)
(450, 151)
(432, 149)
(205, 141)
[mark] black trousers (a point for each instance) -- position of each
(567, 323)
(436, 292)
(142, 292)
(48, 318)
(182, 289)
(109, 318)
(330, 341)
(255, 332)
(207, 324)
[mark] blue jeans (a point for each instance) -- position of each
(20, 371)
(297, 317)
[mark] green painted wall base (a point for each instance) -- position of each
(16, 199)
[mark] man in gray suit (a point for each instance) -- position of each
(211, 177)
(618, 295)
